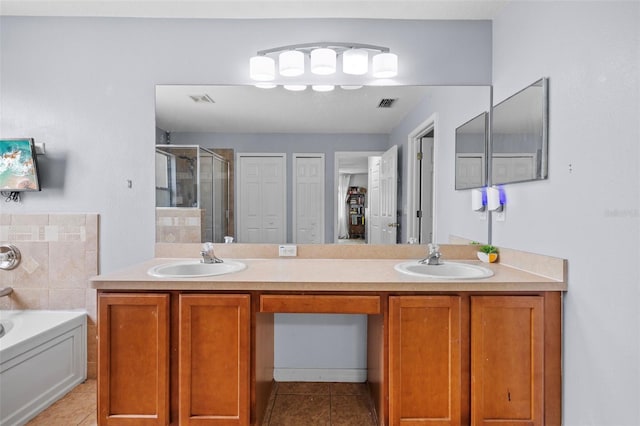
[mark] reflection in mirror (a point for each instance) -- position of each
(248, 121)
(519, 139)
(192, 194)
(471, 148)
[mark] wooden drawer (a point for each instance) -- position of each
(319, 304)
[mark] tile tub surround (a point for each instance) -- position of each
(59, 256)
(179, 225)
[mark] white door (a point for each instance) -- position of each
(389, 196)
(374, 234)
(308, 198)
(261, 198)
(426, 190)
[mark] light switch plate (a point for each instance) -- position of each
(287, 250)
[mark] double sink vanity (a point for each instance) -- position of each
(192, 345)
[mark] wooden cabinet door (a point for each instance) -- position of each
(213, 360)
(424, 360)
(507, 360)
(133, 359)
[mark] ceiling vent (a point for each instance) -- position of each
(386, 103)
(202, 99)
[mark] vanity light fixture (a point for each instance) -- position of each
(262, 68)
(291, 63)
(266, 85)
(355, 61)
(323, 87)
(385, 65)
(295, 87)
(323, 60)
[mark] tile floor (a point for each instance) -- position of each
(77, 408)
(290, 404)
(314, 403)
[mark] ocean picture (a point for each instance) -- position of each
(17, 166)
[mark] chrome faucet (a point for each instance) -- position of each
(433, 258)
(207, 254)
(9, 256)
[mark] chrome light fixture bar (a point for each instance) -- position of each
(323, 60)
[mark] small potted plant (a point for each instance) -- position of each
(488, 253)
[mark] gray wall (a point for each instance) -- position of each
(588, 211)
(86, 87)
(290, 144)
(450, 107)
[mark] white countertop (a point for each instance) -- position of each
(325, 275)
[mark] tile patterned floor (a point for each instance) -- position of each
(77, 408)
(291, 404)
(320, 404)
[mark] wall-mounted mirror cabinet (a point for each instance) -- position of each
(471, 153)
(519, 136)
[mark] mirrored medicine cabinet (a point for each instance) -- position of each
(509, 145)
(519, 136)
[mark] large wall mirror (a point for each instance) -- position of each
(302, 142)
(519, 137)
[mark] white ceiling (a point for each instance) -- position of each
(247, 109)
(374, 9)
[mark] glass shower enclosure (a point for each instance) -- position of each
(192, 194)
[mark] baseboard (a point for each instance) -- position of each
(348, 375)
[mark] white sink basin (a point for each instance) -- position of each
(195, 268)
(446, 270)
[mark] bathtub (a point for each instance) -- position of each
(43, 355)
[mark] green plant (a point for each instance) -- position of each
(488, 249)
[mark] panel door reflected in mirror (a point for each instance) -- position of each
(471, 148)
(519, 136)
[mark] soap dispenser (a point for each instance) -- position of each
(496, 199)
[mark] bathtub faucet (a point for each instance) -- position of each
(207, 254)
(6, 291)
(9, 256)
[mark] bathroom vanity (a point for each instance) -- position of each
(443, 351)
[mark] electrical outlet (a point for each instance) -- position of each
(287, 250)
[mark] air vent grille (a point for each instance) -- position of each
(202, 99)
(386, 103)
